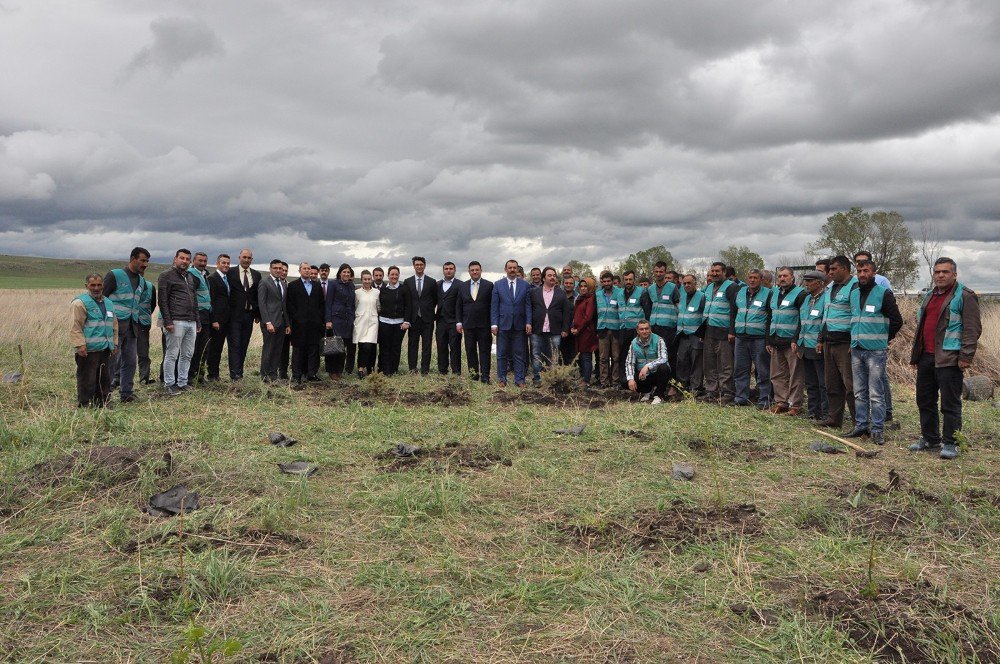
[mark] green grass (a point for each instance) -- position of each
(447, 562)
(33, 272)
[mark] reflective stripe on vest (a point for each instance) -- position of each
(811, 320)
(607, 313)
(201, 290)
(664, 311)
(126, 300)
(643, 356)
(717, 307)
(952, 333)
(751, 315)
(630, 312)
(869, 326)
(837, 316)
(145, 314)
(99, 328)
(784, 313)
(691, 313)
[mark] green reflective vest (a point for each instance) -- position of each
(145, 317)
(784, 313)
(751, 314)
(643, 355)
(201, 290)
(126, 300)
(811, 320)
(837, 316)
(630, 312)
(691, 312)
(99, 328)
(952, 333)
(608, 305)
(717, 306)
(869, 326)
(664, 311)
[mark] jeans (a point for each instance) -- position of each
(124, 362)
(544, 348)
(586, 366)
(868, 370)
(887, 393)
(180, 349)
(748, 351)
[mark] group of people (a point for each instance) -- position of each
(820, 346)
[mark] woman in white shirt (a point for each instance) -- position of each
(366, 324)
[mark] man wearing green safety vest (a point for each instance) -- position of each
(93, 335)
(947, 335)
(125, 289)
(662, 297)
(634, 308)
(875, 320)
(720, 333)
(810, 323)
(608, 301)
(646, 368)
(199, 270)
(753, 316)
(690, 329)
(835, 342)
(787, 377)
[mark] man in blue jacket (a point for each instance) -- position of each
(510, 322)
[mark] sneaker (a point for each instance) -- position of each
(646, 397)
(949, 451)
(656, 401)
(172, 390)
(878, 438)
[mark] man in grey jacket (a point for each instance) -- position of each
(273, 321)
(179, 308)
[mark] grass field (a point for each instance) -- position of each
(29, 272)
(506, 542)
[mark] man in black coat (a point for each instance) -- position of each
(421, 293)
(306, 315)
(218, 290)
(244, 314)
(449, 341)
(472, 320)
(551, 321)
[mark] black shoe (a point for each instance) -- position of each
(878, 438)
(923, 446)
(315, 379)
(856, 432)
(128, 398)
(831, 424)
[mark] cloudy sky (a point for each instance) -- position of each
(368, 130)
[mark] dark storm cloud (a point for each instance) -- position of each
(176, 41)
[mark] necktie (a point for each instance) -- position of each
(511, 284)
(277, 282)
(420, 285)
(324, 290)
(225, 282)
(246, 287)
(475, 290)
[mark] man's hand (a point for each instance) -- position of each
(329, 326)
(565, 334)
(270, 328)
(769, 349)
(819, 349)
(198, 329)
(288, 329)
(404, 326)
(458, 327)
(493, 329)
(795, 347)
(81, 350)
(527, 329)
(643, 373)
(963, 364)
(170, 328)
(731, 337)
(633, 386)
(256, 320)
(215, 326)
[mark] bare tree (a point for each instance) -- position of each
(930, 244)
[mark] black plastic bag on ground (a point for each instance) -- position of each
(168, 503)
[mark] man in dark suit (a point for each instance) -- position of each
(243, 283)
(273, 321)
(551, 320)
(421, 292)
(218, 290)
(449, 341)
(510, 321)
(472, 320)
(306, 308)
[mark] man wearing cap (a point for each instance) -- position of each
(810, 323)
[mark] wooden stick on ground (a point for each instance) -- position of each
(858, 450)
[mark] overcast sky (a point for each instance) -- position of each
(369, 131)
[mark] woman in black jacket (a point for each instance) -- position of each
(392, 303)
(340, 319)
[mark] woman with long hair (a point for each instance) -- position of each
(584, 328)
(392, 303)
(366, 324)
(340, 318)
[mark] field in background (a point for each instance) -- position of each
(506, 542)
(23, 272)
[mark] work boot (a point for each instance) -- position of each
(778, 408)
(831, 424)
(793, 411)
(923, 446)
(878, 438)
(856, 432)
(949, 451)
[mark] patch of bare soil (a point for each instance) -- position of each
(450, 456)
(447, 395)
(105, 466)
(908, 624)
(589, 400)
(251, 541)
(675, 527)
(752, 450)
(982, 496)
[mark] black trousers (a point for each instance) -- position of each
(421, 333)
(142, 353)
(390, 347)
(366, 356)
(816, 387)
(689, 364)
(305, 361)
(567, 348)
(240, 330)
(931, 381)
(449, 348)
(478, 355)
(669, 336)
(626, 340)
(286, 350)
(213, 355)
(93, 378)
(657, 381)
(200, 345)
(344, 362)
